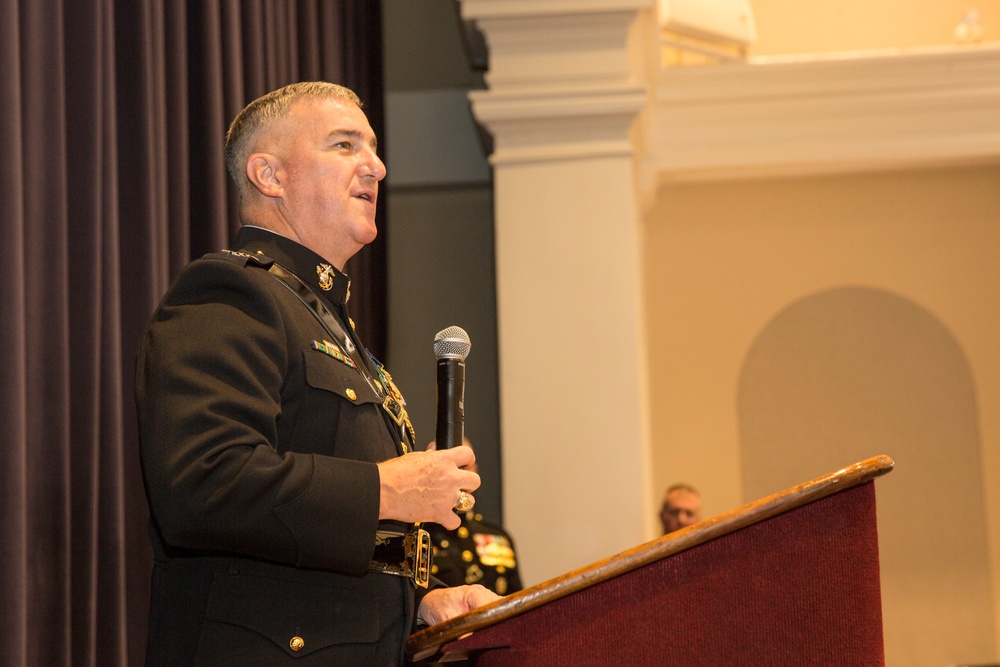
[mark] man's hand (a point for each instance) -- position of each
(443, 603)
(426, 486)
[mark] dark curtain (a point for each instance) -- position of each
(112, 117)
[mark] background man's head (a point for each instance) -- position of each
(681, 507)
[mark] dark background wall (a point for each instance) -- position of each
(440, 222)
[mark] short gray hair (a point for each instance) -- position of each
(266, 109)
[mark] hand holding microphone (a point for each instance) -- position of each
(432, 486)
(426, 486)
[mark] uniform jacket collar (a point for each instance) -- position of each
(321, 276)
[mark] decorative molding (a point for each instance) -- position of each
(488, 9)
(564, 80)
(569, 78)
(532, 128)
(559, 51)
(824, 114)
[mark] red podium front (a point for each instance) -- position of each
(791, 579)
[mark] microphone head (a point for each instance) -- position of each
(452, 343)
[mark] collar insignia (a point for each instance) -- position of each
(325, 273)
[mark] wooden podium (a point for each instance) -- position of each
(791, 579)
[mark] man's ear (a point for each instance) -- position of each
(263, 171)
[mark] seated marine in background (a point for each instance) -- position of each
(477, 552)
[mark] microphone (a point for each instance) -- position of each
(451, 347)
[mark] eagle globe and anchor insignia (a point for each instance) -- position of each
(325, 273)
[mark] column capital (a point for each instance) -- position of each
(567, 78)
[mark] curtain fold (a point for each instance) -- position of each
(113, 114)
(47, 388)
(13, 359)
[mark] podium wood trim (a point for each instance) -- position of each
(429, 641)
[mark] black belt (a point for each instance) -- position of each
(403, 554)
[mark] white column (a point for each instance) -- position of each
(567, 83)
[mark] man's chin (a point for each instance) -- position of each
(368, 238)
(370, 232)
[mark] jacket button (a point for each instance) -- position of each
(351, 394)
(297, 643)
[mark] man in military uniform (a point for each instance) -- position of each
(477, 552)
(276, 451)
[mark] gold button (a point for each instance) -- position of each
(297, 643)
(351, 394)
(467, 556)
(463, 532)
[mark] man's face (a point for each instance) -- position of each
(329, 174)
(680, 509)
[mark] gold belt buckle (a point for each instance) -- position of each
(422, 557)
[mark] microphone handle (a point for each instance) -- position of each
(450, 403)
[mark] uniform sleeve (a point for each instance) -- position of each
(210, 376)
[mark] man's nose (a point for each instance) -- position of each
(374, 165)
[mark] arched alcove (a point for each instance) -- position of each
(853, 372)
